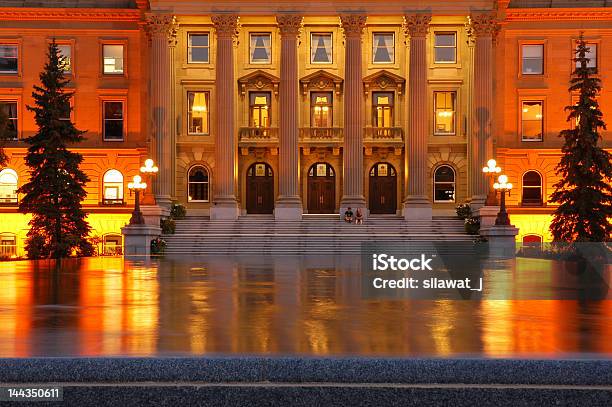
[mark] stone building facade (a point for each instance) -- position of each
(299, 108)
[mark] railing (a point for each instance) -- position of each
(384, 133)
(321, 133)
(258, 134)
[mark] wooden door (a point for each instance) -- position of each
(383, 189)
(321, 189)
(260, 189)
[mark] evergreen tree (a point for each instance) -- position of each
(584, 193)
(56, 188)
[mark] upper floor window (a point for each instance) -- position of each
(112, 185)
(8, 59)
(383, 48)
(198, 184)
(321, 48)
(533, 59)
(532, 188)
(261, 50)
(65, 111)
(383, 109)
(8, 186)
(532, 120)
(444, 184)
(444, 113)
(197, 112)
(65, 51)
(259, 106)
(9, 108)
(445, 48)
(113, 59)
(113, 121)
(321, 107)
(198, 48)
(591, 55)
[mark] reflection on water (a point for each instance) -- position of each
(307, 306)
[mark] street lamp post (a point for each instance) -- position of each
(148, 169)
(491, 169)
(137, 186)
(502, 186)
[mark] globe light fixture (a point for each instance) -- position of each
(148, 170)
(137, 185)
(503, 186)
(491, 169)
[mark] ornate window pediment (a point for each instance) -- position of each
(258, 80)
(383, 80)
(321, 80)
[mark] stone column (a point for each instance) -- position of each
(353, 115)
(162, 30)
(484, 28)
(225, 205)
(288, 204)
(417, 204)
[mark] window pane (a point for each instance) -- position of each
(197, 114)
(321, 106)
(445, 174)
(444, 112)
(65, 111)
(113, 121)
(532, 121)
(260, 48)
(8, 186)
(445, 39)
(445, 55)
(8, 58)
(113, 59)
(198, 40)
(592, 55)
(66, 52)
(198, 48)
(533, 59)
(198, 184)
(383, 48)
(10, 110)
(444, 184)
(445, 48)
(321, 48)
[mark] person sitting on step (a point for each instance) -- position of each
(358, 217)
(348, 215)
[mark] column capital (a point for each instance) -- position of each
(353, 24)
(226, 25)
(484, 24)
(289, 24)
(164, 25)
(417, 25)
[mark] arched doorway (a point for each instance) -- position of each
(383, 189)
(321, 188)
(260, 189)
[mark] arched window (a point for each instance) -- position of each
(8, 245)
(198, 184)
(112, 185)
(112, 245)
(8, 186)
(532, 239)
(444, 184)
(532, 188)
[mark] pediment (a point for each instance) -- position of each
(321, 80)
(384, 79)
(258, 80)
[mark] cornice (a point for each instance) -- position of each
(559, 14)
(70, 14)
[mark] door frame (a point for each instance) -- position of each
(374, 167)
(330, 179)
(248, 192)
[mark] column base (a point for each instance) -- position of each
(417, 208)
(487, 215)
(353, 202)
(164, 202)
(288, 208)
(226, 209)
(477, 202)
(153, 213)
(137, 239)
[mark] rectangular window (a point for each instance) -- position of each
(65, 50)
(260, 48)
(383, 48)
(8, 245)
(9, 108)
(383, 109)
(8, 59)
(113, 59)
(444, 113)
(591, 55)
(66, 110)
(113, 121)
(533, 59)
(532, 120)
(198, 49)
(321, 108)
(198, 113)
(445, 48)
(260, 109)
(321, 48)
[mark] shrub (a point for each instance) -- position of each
(178, 211)
(158, 245)
(464, 210)
(472, 225)
(168, 226)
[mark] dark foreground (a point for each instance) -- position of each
(315, 381)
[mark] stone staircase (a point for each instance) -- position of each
(314, 234)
